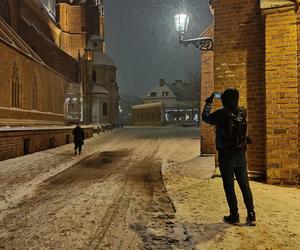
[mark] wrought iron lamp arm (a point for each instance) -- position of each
(202, 43)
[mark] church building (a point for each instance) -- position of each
(46, 74)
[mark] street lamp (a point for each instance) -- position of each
(181, 24)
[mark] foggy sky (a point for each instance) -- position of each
(140, 36)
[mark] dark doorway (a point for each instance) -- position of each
(26, 146)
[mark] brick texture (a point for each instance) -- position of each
(239, 62)
(282, 96)
(206, 88)
(12, 142)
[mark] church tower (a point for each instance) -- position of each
(95, 20)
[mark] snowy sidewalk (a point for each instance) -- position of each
(200, 204)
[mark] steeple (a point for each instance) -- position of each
(95, 20)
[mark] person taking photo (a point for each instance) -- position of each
(231, 144)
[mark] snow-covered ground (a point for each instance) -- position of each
(113, 197)
(200, 205)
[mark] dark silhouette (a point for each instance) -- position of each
(231, 143)
(79, 137)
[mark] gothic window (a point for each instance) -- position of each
(104, 109)
(153, 94)
(16, 85)
(94, 76)
(35, 93)
(5, 11)
(50, 99)
(165, 93)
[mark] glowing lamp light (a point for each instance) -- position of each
(88, 55)
(181, 22)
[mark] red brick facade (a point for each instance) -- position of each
(282, 95)
(239, 62)
(257, 51)
(14, 143)
(206, 88)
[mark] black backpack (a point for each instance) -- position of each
(237, 128)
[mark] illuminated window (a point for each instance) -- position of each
(165, 93)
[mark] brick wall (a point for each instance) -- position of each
(206, 88)
(282, 96)
(12, 142)
(239, 62)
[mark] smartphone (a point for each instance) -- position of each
(217, 95)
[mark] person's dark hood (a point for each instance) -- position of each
(230, 98)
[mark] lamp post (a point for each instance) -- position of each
(202, 43)
(181, 24)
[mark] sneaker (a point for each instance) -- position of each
(251, 218)
(232, 219)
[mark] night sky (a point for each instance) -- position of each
(141, 38)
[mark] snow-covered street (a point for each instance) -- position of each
(134, 188)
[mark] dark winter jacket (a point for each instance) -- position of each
(79, 137)
(219, 119)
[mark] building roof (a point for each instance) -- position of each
(10, 37)
(100, 58)
(99, 90)
(268, 4)
(148, 105)
(159, 89)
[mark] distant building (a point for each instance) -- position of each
(149, 114)
(179, 102)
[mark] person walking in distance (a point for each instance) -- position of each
(231, 144)
(78, 134)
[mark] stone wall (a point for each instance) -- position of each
(19, 142)
(51, 88)
(206, 88)
(239, 62)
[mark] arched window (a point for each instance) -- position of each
(104, 109)
(5, 11)
(35, 93)
(94, 76)
(50, 98)
(16, 85)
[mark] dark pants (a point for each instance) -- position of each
(233, 163)
(78, 147)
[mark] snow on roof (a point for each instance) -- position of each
(9, 36)
(100, 58)
(159, 89)
(99, 90)
(147, 105)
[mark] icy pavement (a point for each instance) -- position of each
(200, 205)
(114, 196)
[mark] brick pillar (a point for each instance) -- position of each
(206, 88)
(239, 62)
(281, 94)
